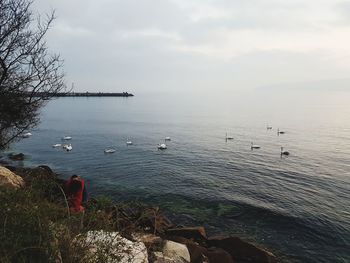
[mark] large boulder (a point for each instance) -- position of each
(149, 240)
(197, 234)
(41, 172)
(218, 255)
(10, 179)
(176, 251)
(201, 254)
(111, 247)
(158, 257)
(241, 250)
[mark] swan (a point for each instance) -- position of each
(229, 137)
(284, 152)
(56, 145)
(280, 132)
(26, 135)
(68, 147)
(167, 138)
(110, 150)
(254, 146)
(66, 138)
(161, 146)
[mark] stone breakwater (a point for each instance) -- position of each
(141, 233)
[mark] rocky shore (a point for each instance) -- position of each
(128, 232)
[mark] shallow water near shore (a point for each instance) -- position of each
(298, 206)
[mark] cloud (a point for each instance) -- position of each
(142, 45)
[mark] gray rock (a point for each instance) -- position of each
(160, 258)
(176, 251)
(111, 247)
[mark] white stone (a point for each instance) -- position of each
(111, 247)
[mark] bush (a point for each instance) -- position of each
(26, 219)
(36, 225)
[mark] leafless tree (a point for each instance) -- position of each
(29, 74)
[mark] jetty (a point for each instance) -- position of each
(84, 94)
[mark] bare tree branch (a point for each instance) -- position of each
(26, 68)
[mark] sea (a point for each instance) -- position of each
(296, 206)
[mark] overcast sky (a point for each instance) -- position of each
(199, 45)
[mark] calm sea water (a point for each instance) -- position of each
(297, 206)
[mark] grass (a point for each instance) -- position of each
(36, 225)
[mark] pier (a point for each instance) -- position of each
(85, 94)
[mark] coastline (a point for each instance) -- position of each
(132, 219)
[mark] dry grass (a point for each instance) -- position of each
(36, 225)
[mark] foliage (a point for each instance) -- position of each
(26, 219)
(36, 225)
(26, 68)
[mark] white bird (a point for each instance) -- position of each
(128, 142)
(254, 146)
(66, 138)
(284, 152)
(110, 150)
(27, 135)
(162, 146)
(229, 137)
(167, 139)
(56, 145)
(68, 147)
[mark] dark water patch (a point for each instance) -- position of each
(275, 230)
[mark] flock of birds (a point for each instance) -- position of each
(255, 146)
(68, 147)
(161, 146)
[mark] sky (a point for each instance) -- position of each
(174, 46)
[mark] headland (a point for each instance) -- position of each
(85, 94)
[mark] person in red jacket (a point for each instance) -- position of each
(76, 193)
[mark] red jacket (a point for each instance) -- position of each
(74, 191)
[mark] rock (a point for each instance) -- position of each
(149, 240)
(193, 233)
(46, 168)
(241, 250)
(218, 255)
(201, 254)
(158, 257)
(176, 251)
(42, 172)
(197, 253)
(181, 240)
(111, 247)
(10, 179)
(16, 157)
(11, 168)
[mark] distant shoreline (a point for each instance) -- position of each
(85, 94)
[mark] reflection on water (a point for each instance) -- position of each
(298, 205)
